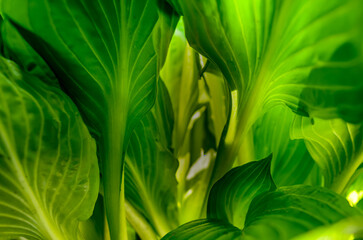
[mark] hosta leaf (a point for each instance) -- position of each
(231, 196)
(350, 228)
(290, 211)
(291, 161)
(205, 229)
(16, 48)
(103, 54)
(304, 54)
(335, 145)
(48, 174)
(150, 184)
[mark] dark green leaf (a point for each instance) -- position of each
(290, 211)
(103, 54)
(150, 183)
(230, 197)
(205, 229)
(291, 161)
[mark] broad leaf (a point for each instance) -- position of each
(335, 145)
(290, 211)
(17, 49)
(103, 54)
(48, 166)
(350, 228)
(291, 161)
(205, 229)
(230, 197)
(304, 54)
(150, 184)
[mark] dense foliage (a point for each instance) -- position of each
(181, 119)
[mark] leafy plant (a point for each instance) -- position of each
(181, 119)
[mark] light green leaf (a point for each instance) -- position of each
(181, 75)
(291, 161)
(304, 54)
(290, 211)
(350, 228)
(103, 53)
(48, 166)
(335, 145)
(205, 229)
(192, 138)
(230, 197)
(150, 183)
(200, 144)
(354, 189)
(218, 92)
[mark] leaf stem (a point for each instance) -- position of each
(340, 182)
(139, 223)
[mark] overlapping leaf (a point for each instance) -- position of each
(290, 211)
(292, 163)
(304, 54)
(280, 214)
(335, 145)
(205, 229)
(150, 184)
(350, 228)
(104, 55)
(48, 175)
(231, 196)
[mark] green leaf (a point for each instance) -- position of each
(354, 189)
(200, 147)
(205, 229)
(218, 99)
(350, 228)
(48, 166)
(103, 53)
(19, 50)
(335, 145)
(230, 197)
(181, 75)
(291, 161)
(150, 183)
(94, 227)
(304, 54)
(290, 211)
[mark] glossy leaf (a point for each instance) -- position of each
(335, 145)
(104, 56)
(230, 197)
(48, 176)
(291, 161)
(150, 183)
(205, 229)
(290, 211)
(304, 54)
